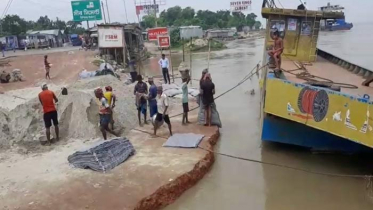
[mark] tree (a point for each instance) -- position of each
(257, 25)
(172, 15)
(250, 20)
(188, 13)
(175, 37)
(13, 25)
(148, 21)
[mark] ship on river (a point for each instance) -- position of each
(334, 24)
(315, 100)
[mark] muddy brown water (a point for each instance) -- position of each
(238, 184)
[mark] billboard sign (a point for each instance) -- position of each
(153, 33)
(164, 41)
(110, 37)
(86, 10)
(239, 6)
(147, 9)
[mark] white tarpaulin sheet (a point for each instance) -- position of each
(185, 140)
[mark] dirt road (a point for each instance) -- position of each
(65, 67)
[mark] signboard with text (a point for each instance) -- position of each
(86, 10)
(164, 41)
(147, 9)
(110, 37)
(153, 33)
(239, 6)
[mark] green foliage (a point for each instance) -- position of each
(14, 25)
(148, 21)
(177, 16)
(175, 37)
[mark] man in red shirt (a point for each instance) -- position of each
(47, 99)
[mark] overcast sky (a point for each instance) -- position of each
(356, 10)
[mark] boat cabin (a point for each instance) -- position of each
(298, 28)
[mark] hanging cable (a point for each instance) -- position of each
(280, 4)
(6, 8)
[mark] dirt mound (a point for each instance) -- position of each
(77, 113)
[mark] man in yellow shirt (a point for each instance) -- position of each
(111, 98)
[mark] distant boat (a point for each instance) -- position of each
(334, 24)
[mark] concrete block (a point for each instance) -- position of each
(368, 74)
(340, 62)
(356, 70)
(361, 72)
(334, 60)
(351, 67)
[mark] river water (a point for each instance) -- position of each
(238, 184)
(355, 45)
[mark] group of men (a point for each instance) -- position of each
(158, 101)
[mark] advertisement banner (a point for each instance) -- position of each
(110, 37)
(239, 6)
(153, 33)
(147, 9)
(86, 10)
(164, 41)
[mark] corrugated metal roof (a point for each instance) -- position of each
(53, 32)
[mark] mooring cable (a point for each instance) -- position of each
(247, 77)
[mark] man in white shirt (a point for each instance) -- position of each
(163, 109)
(164, 64)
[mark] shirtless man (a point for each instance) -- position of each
(277, 50)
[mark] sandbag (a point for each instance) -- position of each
(172, 92)
(86, 74)
(215, 117)
(169, 86)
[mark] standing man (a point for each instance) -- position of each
(163, 109)
(111, 98)
(164, 64)
(14, 46)
(104, 112)
(277, 50)
(208, 91)
(152, 97)
(141, 92)
(47, 99)
(184, 100)
(47, 66)
(2, 48)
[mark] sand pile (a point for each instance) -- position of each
(78, 114)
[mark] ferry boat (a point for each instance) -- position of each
(334, 24)
(316, 100)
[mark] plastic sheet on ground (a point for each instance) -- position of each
(108, 66)
(104, 155)
(173, 92)
(215, 117)
(86, 74)
(186, 140)
(169, 86)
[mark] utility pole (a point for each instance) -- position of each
(108, 13)
(103, 11)
(125, 10)
(155, 13)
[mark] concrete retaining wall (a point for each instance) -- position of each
(356, 69)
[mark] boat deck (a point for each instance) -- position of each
(326, 69)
